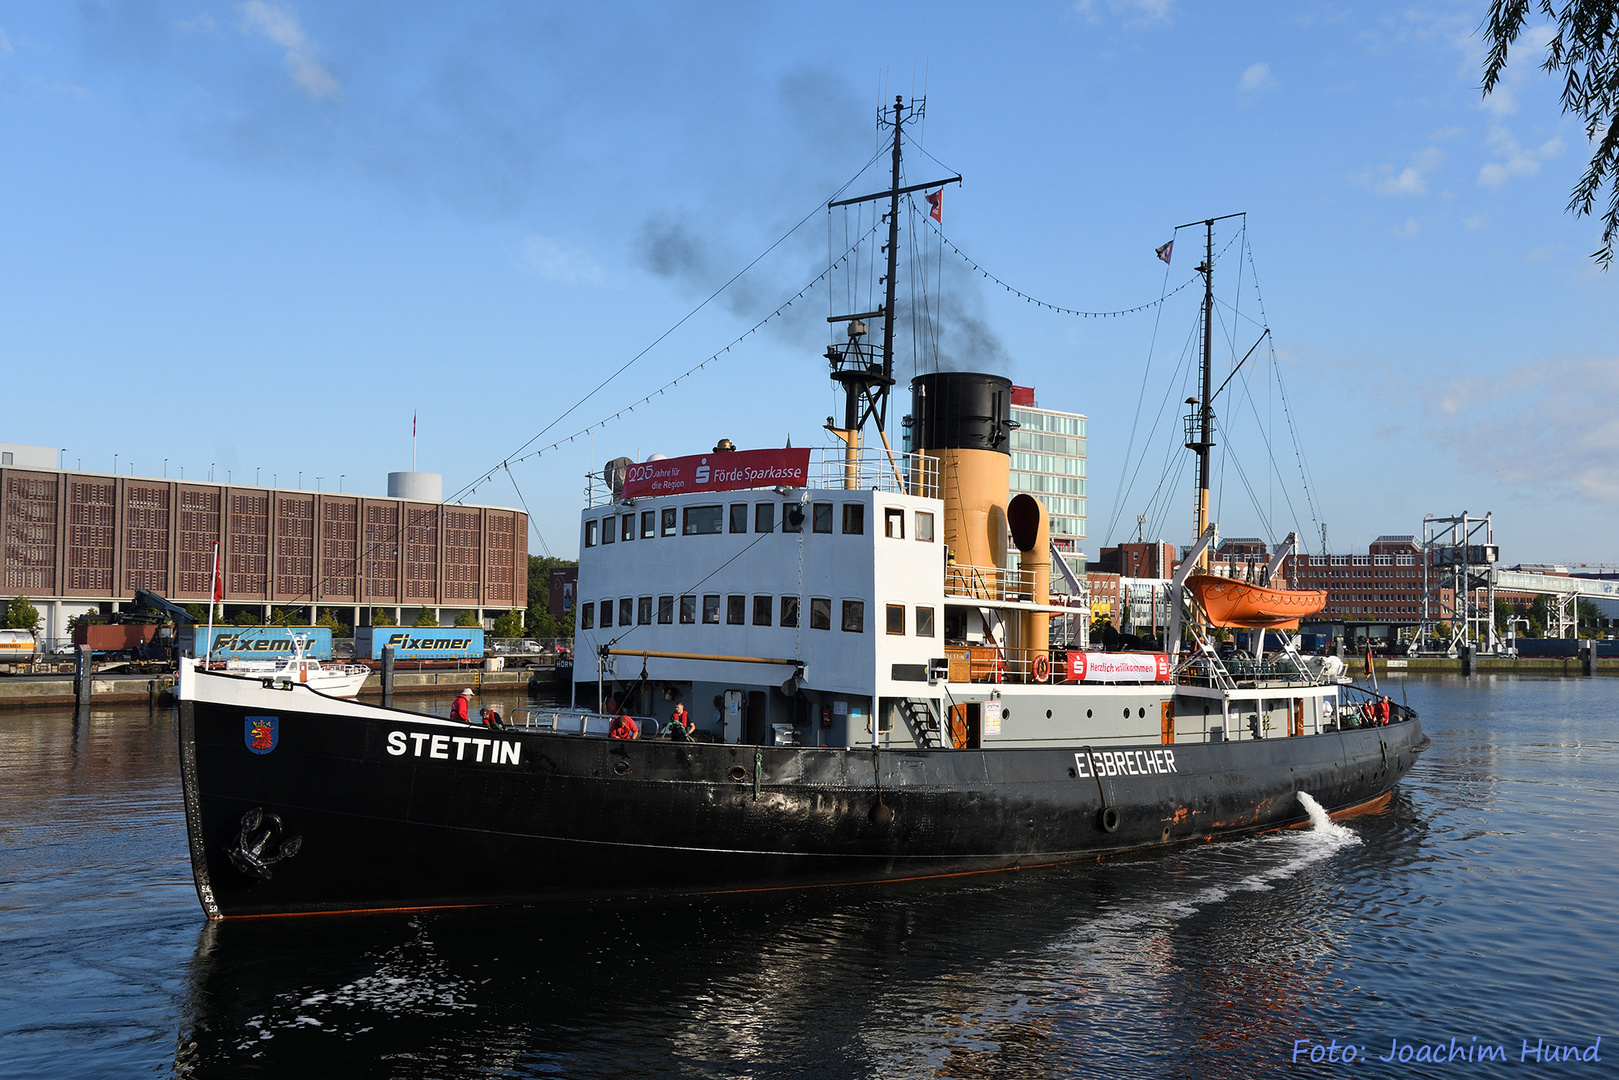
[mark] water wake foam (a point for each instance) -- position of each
(1319, 819)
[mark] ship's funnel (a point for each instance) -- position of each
(964, 420)
(1031, 532)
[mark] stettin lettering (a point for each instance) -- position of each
(465, 748)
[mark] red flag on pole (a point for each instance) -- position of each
(219, 577)
(1165, 251)
(936, 200)
(413, 425)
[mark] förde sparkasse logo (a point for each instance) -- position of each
(701, 475)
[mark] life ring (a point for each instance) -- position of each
(1042, 667)
(1107, 819)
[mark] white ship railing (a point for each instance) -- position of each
(874, 469)
(987, 583)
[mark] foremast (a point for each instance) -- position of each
(865, 373)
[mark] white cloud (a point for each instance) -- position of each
(1408, 230)
(1256, 78)
(280, 25)
(1557, 414)
(1411, 180)
(1515, 160)
(557, 261)
(1138, 12)
(5, 43)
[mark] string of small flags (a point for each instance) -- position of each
(688, 373)
(1041, 303)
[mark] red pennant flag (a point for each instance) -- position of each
(936, 200)
(219, 577)
(1164, 252)
(413, 425)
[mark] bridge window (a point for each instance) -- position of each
(701, 520)
(643, 611)
(854, 616)
(626, 610)
(629, 526)
(649, 524)
(792, 517)
(669, 521)
(789, 611)
(607, 612)
(587, 616)
(590, 533)
(739, 517)
(609, 530)
(666, 610)
(854, 519)
(820, 613)
(688, 610)
(736, 610)
(711, 609)
(823, 517)
(764, 517)
(924, 621)
(896, 618)
(924, 526)
(761, 610)
(894, 522)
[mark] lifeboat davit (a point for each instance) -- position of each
(1230, 602)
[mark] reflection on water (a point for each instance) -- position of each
(1476, 904)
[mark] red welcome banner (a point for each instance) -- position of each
(1118, 667)
(724, 471)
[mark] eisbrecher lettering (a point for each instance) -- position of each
(1095, 763)
(483, 751)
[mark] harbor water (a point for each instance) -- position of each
(1474, 915)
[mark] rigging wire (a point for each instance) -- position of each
(1125, 490)
(1135, 422)
(681, 322)
(1057, 308)
(531, 522)
(712, 358)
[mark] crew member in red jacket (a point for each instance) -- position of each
(459, 711)
(624, 727)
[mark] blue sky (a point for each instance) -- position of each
(261, 235)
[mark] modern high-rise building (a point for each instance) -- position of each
(1048, 462)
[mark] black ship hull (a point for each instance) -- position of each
(396, 810)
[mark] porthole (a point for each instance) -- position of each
(1006, 714)
(1142, 712)
(1048, 714)
(739, 774)
(621, 767)
(1087, 714)
(1127, 712)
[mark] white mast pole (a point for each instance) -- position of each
(213, 593)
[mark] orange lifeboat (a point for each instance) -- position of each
(1230, 602)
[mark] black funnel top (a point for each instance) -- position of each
(962, 410)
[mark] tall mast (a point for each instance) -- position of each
(891, 276)
(1200, 518)
(865, 374)
(1200, 423)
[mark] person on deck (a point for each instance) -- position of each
(683, 718)
(1384, 711)
(624, 727)
(459, 711)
